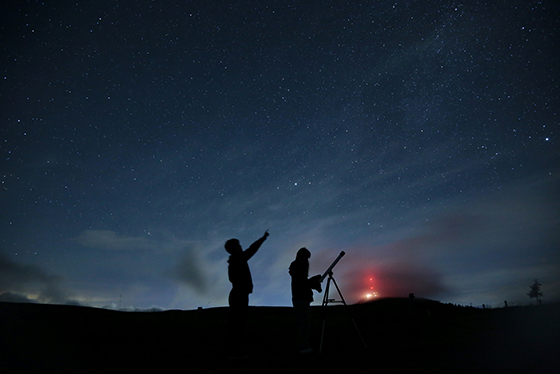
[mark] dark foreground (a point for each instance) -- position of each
(401, 336)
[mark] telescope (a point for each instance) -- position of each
(326, 300)
(329, 270)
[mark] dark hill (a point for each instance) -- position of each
(401, 336)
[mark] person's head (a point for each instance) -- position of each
(303, 254)
(232, 246)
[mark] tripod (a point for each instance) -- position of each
(326, 301)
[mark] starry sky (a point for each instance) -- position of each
(421, 138)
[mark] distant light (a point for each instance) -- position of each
(371, 295)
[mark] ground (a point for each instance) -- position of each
(400, 335)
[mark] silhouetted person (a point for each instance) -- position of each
(241, 286)
(302, 296)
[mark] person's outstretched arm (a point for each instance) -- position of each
(249, 252)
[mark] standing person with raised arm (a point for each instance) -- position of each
(241, 286)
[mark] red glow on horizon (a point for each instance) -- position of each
(370, 294)
(367, 280)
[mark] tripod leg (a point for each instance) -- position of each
(349, 314)
(324, 310)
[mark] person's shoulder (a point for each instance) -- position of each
(236, 257)
(297, 266)
(292, 266)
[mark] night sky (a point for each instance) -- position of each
(419, 137)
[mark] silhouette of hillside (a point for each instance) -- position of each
(402, 335)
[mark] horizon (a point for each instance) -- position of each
(14, 298)
(9, 300)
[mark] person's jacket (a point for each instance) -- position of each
(301, 286)
(238, 269)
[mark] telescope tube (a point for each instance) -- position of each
(332, 266)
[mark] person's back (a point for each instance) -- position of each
(299, 271)
(239, 273)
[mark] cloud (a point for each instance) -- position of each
(392, 270)
(392, 278)
(159, 260)
(486, 246)
(13, 297)
(106, 239)
(189, 270)
(30, 280)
